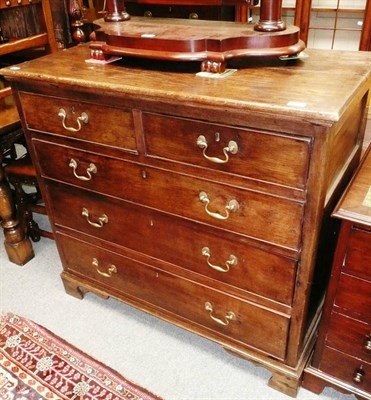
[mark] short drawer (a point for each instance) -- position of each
(257, 155)
(104, 125)
(181, 243)
(348, 369)
(353, 297)
(202, 306)
(269, 218)
(349, 336)
(358, 257)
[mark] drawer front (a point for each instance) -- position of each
(349, 336)
(348, 369)
(249, 324)
(183, 11)
(268, 218)
(183, 244)
(358, 258)
(257, 155)
(105, 125)
(353, 297)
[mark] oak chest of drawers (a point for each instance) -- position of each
(202, 201)
(342, 356)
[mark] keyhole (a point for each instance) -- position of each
(217, 136)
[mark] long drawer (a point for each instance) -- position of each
(349, 336)
(89, 122)
(182, 243)
(255, 154)
(227, 316)
(268, 218)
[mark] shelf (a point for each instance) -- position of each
(338, 10)
(15, 45)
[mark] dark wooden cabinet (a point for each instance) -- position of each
(199, 200)
(342, 356)
(222, 13)
(189, 9)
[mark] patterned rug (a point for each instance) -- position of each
(37, 365)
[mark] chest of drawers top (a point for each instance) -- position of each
(355, 205)
(257, 91)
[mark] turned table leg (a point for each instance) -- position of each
(17, 245)
(270, 16)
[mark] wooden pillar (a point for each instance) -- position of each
(17, 245)
(365, 43)
(116, 11)
(270, 16)
(302, 18)
(75, 14)
(241, 11)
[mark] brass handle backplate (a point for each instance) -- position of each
(232, 260)
(232, 206)
(229, 316)
(232, 148)
(110, 270)
(82, 118)
(103, 219)
(367, 344)
(92, 169)
(358, 375)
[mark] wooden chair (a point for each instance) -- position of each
(22, 173)
(36, 14)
